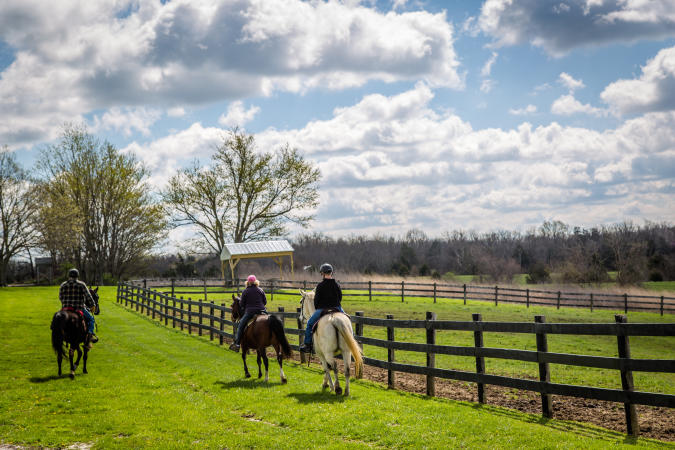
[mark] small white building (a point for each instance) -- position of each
(235, 252)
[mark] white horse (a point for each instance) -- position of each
(333, 335)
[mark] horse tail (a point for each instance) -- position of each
(345, 329)
(57, 333)
(277, 329)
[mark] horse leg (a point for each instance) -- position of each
(327, 380)
(84, 360)
(79, 356)
(258, 360)
(71, 351)
(59, 359)
(244, 350)
(280, 360)
(347, 358)
(267, 364)
(338, 389)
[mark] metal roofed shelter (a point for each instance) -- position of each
(235, 252)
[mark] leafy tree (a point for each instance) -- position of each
(98, 208)
(17, 211)
(245, 194)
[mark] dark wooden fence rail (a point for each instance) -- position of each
(401, 290)
(209, 317)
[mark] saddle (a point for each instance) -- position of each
(79, 311)
(253, 319)
(324, 312)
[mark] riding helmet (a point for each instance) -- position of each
(73, 273)
(326, 268)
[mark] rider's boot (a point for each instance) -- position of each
(92, 339)
(306, 348)
(234, 346)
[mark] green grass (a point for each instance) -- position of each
(151, 386)
(659, 285)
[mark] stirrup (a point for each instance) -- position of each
(306, 348)
(93, 338)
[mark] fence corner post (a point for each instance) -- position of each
(402, 291)
(464, 287)
(496, 295)
(625, 303)
(370, 292)
(431, 356)
(632, 424)
(527, 297)
(544, 373)
(480, 360)
(434, 292)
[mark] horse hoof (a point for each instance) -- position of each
(248, 375)
(284, 381)
(338, 390)
(85, 371)
(72, 376)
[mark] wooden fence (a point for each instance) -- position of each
(204, 316)
(437, 291)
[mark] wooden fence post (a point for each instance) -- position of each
(200, 318)
(370, 293)
(301, 335)
(166, 308)
(145, 283)
(558, 303)
(272, 289)
(544, 373)
(464, 294)
(359, 328)
(402, 291)
(126, 295)
(434, 292)
(625, 303)
(211, 321)
(182, 306)
(496, 294)
(390, 354)
(662, 305)
(591, 302)
(189, 324)
(222, 322)
(173, 312)
(431, 356)
(206, 295)
(480, 361)
(632, 424)
(281, 317)
(173, 287)
(527, 297)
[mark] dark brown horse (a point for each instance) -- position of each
(266, 330)
(69, 330)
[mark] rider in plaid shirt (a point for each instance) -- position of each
(73, 293)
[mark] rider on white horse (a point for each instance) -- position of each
(328, 294)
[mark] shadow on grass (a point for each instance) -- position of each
(247, 383)
(317, 397)
(49, 378)
(577, 428)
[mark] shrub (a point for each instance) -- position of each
(655, 275)
(538, 273)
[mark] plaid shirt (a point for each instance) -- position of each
(75, 294)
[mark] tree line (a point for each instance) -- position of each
(88, 205)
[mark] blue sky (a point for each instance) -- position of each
(434, 115)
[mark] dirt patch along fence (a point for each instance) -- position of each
(201, 316)
(438, 291)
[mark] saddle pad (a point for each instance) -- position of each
(253, 319)
(323, 313)
(68, 308)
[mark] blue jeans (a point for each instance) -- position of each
(242, 323)
(310, 323)
(89, 318)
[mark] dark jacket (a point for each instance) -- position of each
(253, 299)
(327, 294)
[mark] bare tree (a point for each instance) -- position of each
(17, 210)
(245, 195)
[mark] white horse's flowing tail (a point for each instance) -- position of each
(345, 329)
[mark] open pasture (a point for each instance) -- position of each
(150, 386)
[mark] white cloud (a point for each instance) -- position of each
(487, 85)
(567, 105)
(126, 120)
(569, 82)
(559, 27)
(176, 111)
(237, 115)
(653, 91)
(72, 59)
(487, 67)
(529, 109)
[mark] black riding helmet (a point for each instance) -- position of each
(326, 268)
(73, 273)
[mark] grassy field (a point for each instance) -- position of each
(150, 386)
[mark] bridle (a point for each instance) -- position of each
(303, 318)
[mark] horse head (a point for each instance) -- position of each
(94, 295)
(306, 304)
(236, 308)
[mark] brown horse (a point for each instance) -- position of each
(68, 328)
(265, 330)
